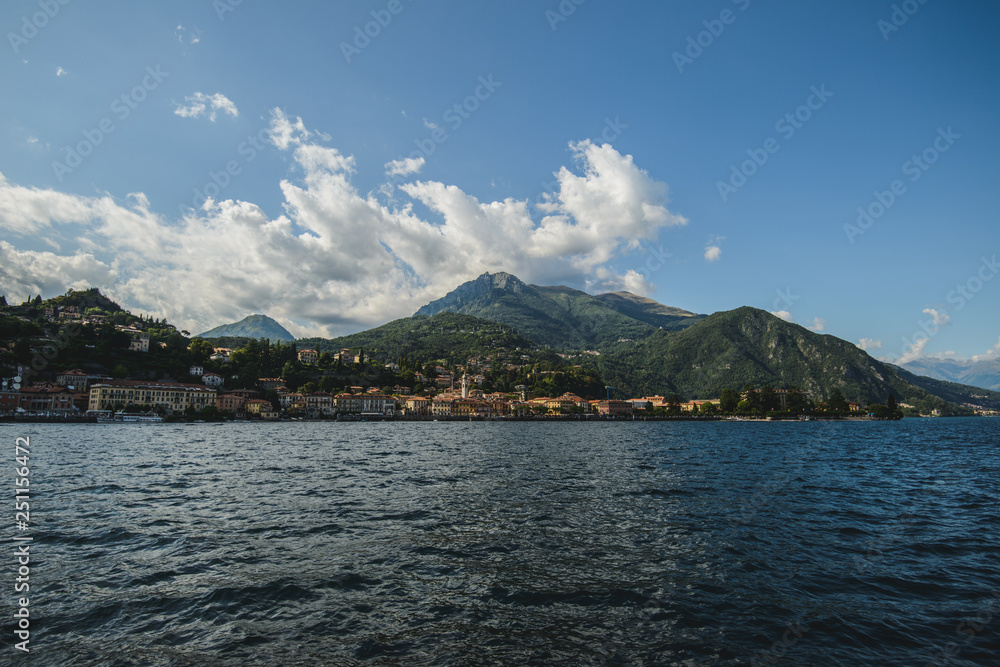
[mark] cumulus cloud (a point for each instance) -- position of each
(783, 314)
(713, 251)
(61, 72)
(940, 318)
(286, 132)
(337, 260)
(870, 344)
(818, 324)
(989, 355)
(404, 167)
(914, 350)
(200, 104)
(29, 272)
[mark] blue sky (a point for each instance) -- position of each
(586, 143)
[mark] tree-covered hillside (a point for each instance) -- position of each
(448, 336)
(749, 346)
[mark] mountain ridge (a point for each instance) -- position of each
(255, 326)
(984, 373)
(558, 316)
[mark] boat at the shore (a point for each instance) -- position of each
(120, 417)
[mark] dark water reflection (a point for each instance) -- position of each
(496, 543)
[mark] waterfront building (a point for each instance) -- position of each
(174, 397)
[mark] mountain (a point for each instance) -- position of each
(648, 348)
(648, 311)
(441, 336)
(560, 317)
(252, 326)
(748, 345)
(984, 373)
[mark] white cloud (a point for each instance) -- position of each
(940, 318)
(989, 355)
(819, 324)
(605, 280)
(337, 260)
(31, 272)
(182, 33)
(199, 104)
(713, 249)
(913, 351)
(404, 167)
(870, 344)
(32, 140)
(285, 132)
(783, 314)
(61, 72)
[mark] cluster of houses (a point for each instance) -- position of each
(77, 391)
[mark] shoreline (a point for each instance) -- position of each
(43, 419)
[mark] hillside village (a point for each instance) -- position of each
(81, 354)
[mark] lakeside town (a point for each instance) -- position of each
(135, 368)
(77, 394)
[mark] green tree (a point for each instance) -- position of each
(728, 401)
(201, 350)
(836, 402)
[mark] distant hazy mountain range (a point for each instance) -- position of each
(252, 326)
(985, 374)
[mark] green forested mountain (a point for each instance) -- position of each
(751, 346)
(448, 336)
(645, 348)
(559, 317)
(251, 326)
(649, 311)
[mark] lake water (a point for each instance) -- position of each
(510, 543)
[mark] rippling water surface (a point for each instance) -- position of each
(512, 543)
